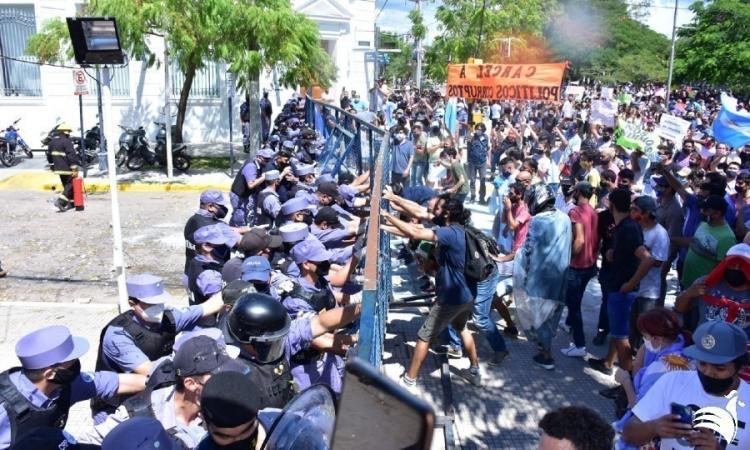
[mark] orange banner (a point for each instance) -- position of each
(506, 81)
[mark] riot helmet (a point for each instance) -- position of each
(260, 321)
(539, 198)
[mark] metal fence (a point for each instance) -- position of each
(206, 83)
(356, 145)
(19, 76)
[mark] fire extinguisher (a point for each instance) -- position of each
(78, 193)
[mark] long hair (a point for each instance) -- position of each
(455, 211)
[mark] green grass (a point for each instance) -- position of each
(210, 163)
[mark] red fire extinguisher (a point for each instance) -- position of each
(78, 193)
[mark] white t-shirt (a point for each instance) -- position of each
(656, 241)
(730, 413)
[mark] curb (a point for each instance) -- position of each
(47, 181)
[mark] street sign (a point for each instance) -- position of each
(80, 82)
(382, 57)
(231, 85)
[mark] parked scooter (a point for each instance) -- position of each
(180, 158)
(136, 153)
(10, 142)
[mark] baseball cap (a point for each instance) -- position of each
(211, 332)
(234, 290)
(585, 188)
(328, 215)
(714, 202)
(294, 232)
(201, 355)
(256, 268)
(310, 250)
(266, 153)
(139, 433)
(258, 239)
(147, 288)
(329, 188)
(216, 234)
(645, 203)
(230, 399)
(272, 175)
(214, 196)
(717, 342)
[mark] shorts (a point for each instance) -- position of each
(618, 313)
(443, 315)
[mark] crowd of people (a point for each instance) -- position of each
(270, 272)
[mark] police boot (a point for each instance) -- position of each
(61, 204)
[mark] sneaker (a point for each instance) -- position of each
(498, 358)
(599, 366)
(573, 351)
(410, 385)
(511, 332)
(440, 349)
(545, 362)
(474, 376)
(600, 338)
(454, 352)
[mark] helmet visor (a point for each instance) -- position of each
(268, 350)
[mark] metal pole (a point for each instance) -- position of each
(167, 110)
(671, 54)
(119, 260)
(231, 145)
(481, 26)
(419, 52)
(374, 100)
(103, 161)
(83, 143)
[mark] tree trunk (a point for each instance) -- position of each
(182, 104)
(253, 90)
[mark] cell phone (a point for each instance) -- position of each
(685, 413)
(371, 403)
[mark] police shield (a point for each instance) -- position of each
(306, 423)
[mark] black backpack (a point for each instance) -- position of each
(479, 251)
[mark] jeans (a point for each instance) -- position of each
(618, 310)
(479, 170)
(483, 309)
(495, 162)
(603, 323)
(576, 286)
(419, 173)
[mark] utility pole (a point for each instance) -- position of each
(167, 108)
(671, 54)
(418, 7)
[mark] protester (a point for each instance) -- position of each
(575, 428)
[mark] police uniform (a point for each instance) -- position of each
(24, 406)
(65, 162)
(201, 219)
(290, 235)
(269, 203)
(128, 342)
(241, 197)
(293, 206)
(204, 272)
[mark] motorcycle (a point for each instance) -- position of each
(89, 144)
(11, 141)
(136, 153)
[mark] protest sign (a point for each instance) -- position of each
(634, 137)
(608, 92)
(505, 81)
(603, 112)
(673, 128)
(575, 91)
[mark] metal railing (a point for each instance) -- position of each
(359, 146)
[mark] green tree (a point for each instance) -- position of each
(249, 35)
(601, 39)
(715, 46)
(459, 30)
(399, 65)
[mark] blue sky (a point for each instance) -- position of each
(393, 16)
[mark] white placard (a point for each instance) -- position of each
(673, 128)
(603, 112)
(608, 92)
(576, 91)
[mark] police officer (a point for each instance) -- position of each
(246, 185)
(175, 402)
(65, 161)
(329, 230)
(269, 204)
(296, 210)
(291, 234)
(132, 341)
(49, 381)
(305, 173)
(253, 243)
(268, 338)
(213, 209)
(204, 271)
(328, 195)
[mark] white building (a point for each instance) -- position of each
(44, 95)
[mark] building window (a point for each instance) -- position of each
(119, 84)
(363, 43)
(19, 76)
(206, 83)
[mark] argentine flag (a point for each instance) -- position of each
(731, 127)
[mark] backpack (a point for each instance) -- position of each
(477, 151)
(479, 251)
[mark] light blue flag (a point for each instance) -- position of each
(451, 122)
(731, 127)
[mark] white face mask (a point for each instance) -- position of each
(650, 346)
(154, 313)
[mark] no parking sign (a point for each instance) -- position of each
(80, 82)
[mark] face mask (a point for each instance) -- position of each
(694, 165)
(650, 346)
(322, 268)
(732, 173)
(222, 212)
(400, 137)
(439, 220)
(735, 277)
(506, 174)
(244, 444)
(715, 386)
(66, 376)
(154, 313)
(307, 219)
